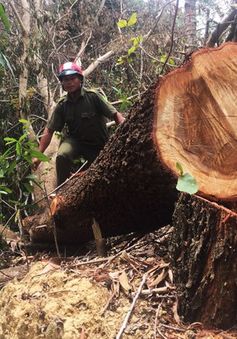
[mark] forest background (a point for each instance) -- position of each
(123, 46)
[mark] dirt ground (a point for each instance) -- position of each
(129, 294)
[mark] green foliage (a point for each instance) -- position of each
(136, 41)
(131, 21)
(6, 23)
(5, 63)
(16, 180)
(4, 18)
(123, 97)
(135, 44)
(186, 183)
(2, 59)
(163, 60)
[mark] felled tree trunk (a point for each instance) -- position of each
(204, 255)
(126, 189)
(189, 117)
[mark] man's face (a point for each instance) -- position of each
(71, 83)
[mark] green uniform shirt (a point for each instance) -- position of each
(84, 117)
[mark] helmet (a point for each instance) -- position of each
(69, 68)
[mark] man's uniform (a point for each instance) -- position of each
(85, 120)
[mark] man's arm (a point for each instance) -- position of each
(44, 143)
(118, 118)
(45, 139)
(107, 109)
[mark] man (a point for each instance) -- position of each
(83, 112)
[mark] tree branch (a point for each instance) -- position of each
(146, 36)
(98, 61)
(82, 48)
(18, 17)
(220, 28)
(172, 36)
(99, 11)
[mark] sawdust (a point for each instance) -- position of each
(89, 298)
(57, 304)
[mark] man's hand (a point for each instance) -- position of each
(35, 163)
(119, 118)
(44, 142)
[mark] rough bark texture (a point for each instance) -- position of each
(203, 251)
(127, 188)
(190, 24)
(188, 117)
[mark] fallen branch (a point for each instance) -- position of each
(58, 187)
(157, 290)
(156, 320)
(125, 322)
(108, 303)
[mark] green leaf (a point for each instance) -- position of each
(179, 168)
(28, 187)
(137, 40)
(18, 148)
(121, 60)
(7, 63)
(188, 184)
(4, 18)
(2, 174)
(171, 61)
(163, 58)
(10, 140)
(131, 50)
(31, 177)
(24, 121)
(132, 20)
(23, 137)
(11, 167)
(117, 90)
(4, 190)
(39, 155)
(2, 60)
(122, 23)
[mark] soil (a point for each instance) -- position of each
(90, 297)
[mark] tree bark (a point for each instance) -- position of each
(189, 116)
(190, 24)
(126, 189)
(203, 252)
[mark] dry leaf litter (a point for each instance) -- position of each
(129, 294)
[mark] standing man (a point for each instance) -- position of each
(83, 112)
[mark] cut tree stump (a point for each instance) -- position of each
(204, 255)
(189, 116)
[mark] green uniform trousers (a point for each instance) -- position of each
(69, 151)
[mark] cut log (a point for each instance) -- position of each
(196, 120)
(126, 189)
(204, 255)
(189, 117)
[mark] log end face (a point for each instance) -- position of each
(196, 120)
